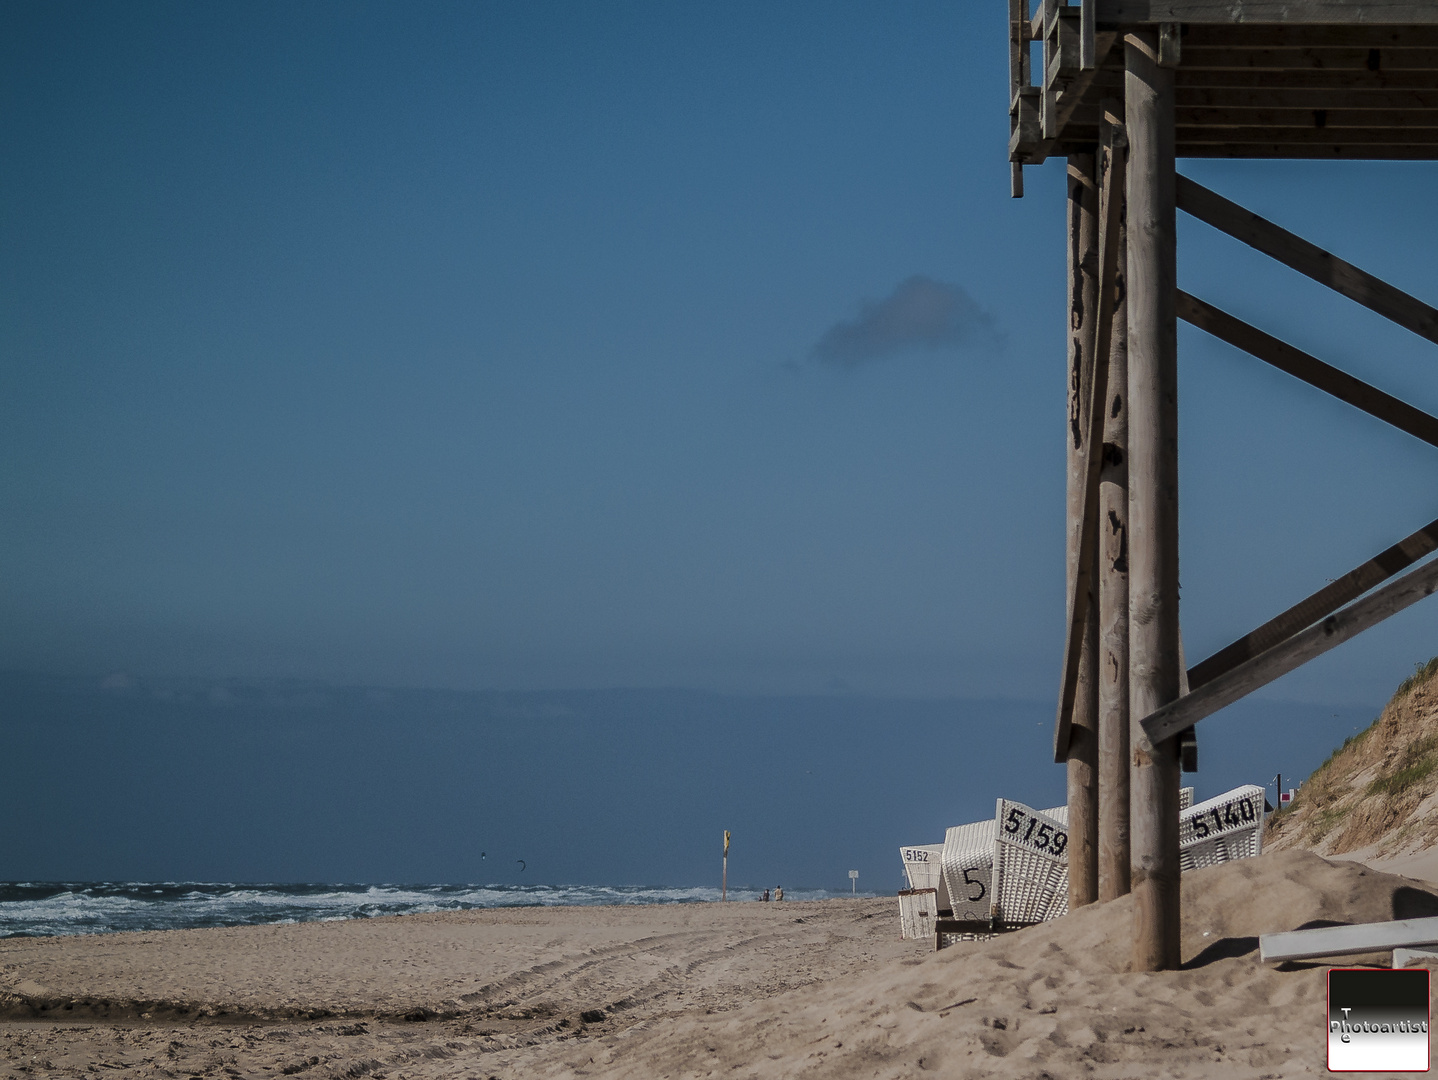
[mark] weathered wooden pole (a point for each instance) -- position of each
(1082, 756)
(1113, 719)
(1152, 496)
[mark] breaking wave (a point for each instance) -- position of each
(44, 909)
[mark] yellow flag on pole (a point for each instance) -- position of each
(726, 842)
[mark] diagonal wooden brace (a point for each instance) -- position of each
(1297, 253)
(1310, 369)
(1293, 653)
(1324, 602)
(1111, 198)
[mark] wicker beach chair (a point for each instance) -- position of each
(1218, 830)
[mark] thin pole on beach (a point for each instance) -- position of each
(724, 881)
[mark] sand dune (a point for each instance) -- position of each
(740, 990)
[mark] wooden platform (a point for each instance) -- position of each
(1253, 78)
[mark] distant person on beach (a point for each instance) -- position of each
(765, 897)
(778, 892)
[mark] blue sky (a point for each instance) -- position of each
(562, 346)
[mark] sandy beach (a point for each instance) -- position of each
(821, 989)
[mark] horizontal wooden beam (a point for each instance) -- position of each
(1354, 137)
(1271, 12)
(1309, 369)
(1111, 208)
(1083, 143)
(1316, 79)
(1335, 123)
(1347, 35)
(1274, 663)
(1324, 602)
(1308, 259)
(1304, 152)
(1309, 142)
(1346, 940)
(1349, 59)
(1197, 123)
(1360, 100)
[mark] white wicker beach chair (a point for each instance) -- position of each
(921, 865)
(1226, 827)
(1031, 866)
(968, 863)
(968, 866)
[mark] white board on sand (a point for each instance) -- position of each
(1347, 940)
(1403, 958)
(918, 913)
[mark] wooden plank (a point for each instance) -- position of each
(1169, 720)
(1309, 152)
(1350, 137)
(1110, 213)
(1314, 79)
(1079, 142)
(1394, 123)
(1346, 940)
(1154, 666)
(1308, 368)
(1088, 34)
(1322, 603)
(1308, 259)
(1063, 103)
(1107, 80)
(1303, 109)
(1018, 47)
(1355, 100)
(1350, 59)
(1403, 958)
(1273, 12)
(1308, 37)
(1309, 139)
(1019, 116)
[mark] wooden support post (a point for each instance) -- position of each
(1152, 496)
(1113, 721)
(1081, 753)
(1083, 508)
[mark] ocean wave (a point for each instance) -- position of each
(46, 909)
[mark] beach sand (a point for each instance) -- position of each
(824, 989)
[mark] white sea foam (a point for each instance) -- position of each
(42, 909)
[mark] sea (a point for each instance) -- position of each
(46, 909)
